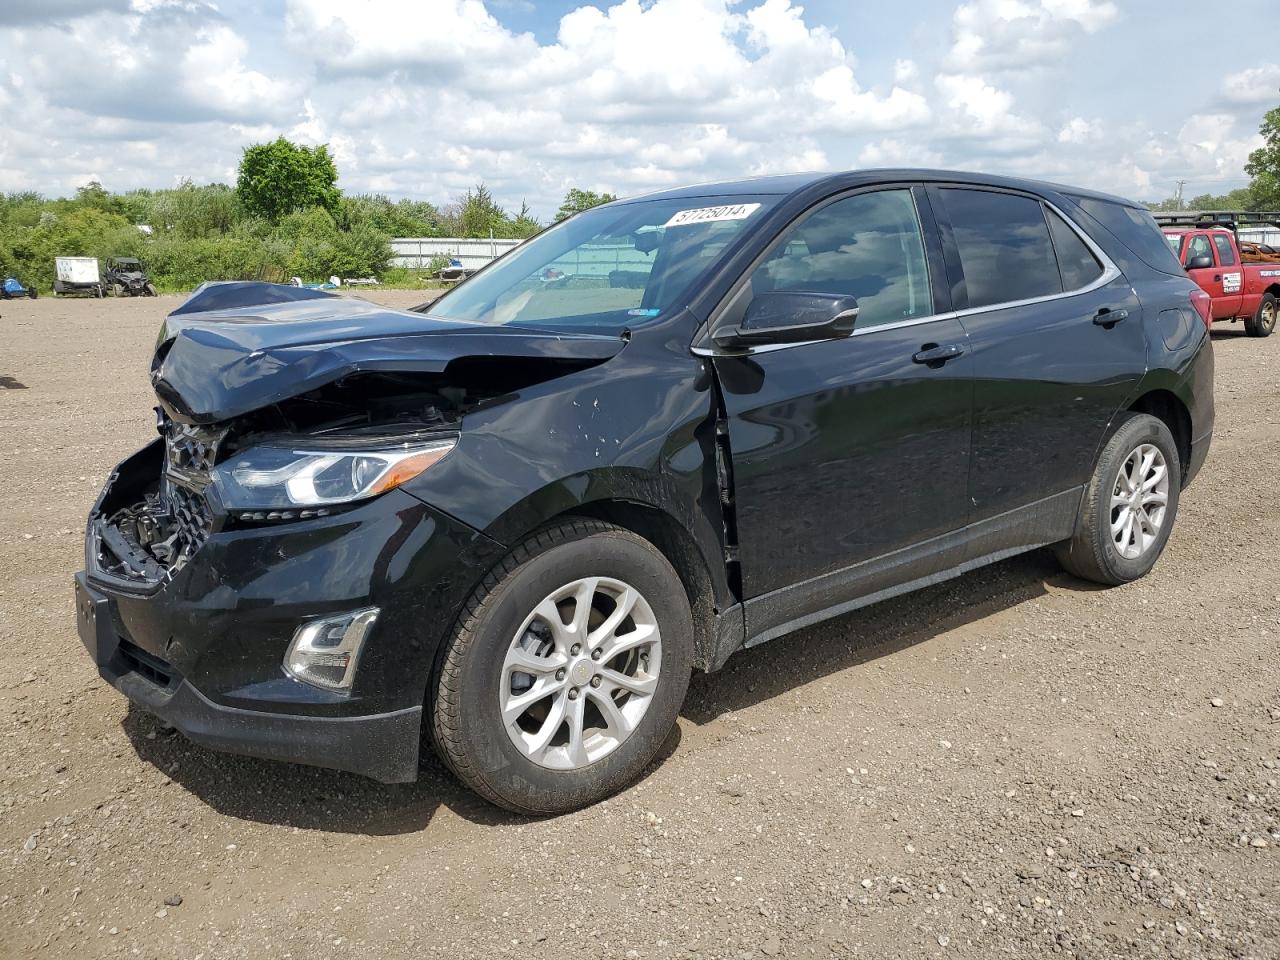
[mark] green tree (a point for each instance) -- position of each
(1264, 164)
(479, 214)
(575, 201)
(525, 224)
(279, 177)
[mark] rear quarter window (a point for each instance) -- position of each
(1136, 229)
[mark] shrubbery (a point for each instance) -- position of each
(286, 218)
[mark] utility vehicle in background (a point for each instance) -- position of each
(126, 278)
(12, 289)
(1241, 279)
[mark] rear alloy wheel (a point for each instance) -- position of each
(1129, 506)
(566, 669)
(1262, 323)
(1139, 499)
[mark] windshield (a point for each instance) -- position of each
(1175, 241)
(605, 269)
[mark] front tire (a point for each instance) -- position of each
(1262, 323)
(566, 670)
(1129, 507)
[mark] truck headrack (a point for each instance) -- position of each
(1230, 219)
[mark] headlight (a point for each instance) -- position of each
(280, 483)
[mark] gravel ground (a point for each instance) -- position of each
(1010, 764)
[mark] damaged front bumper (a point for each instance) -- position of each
(200, 638)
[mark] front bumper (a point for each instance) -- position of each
(204, 648)
(381, 746)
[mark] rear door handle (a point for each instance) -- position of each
(1106, 317)
(935, 355)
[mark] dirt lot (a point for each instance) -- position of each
(1011, 764)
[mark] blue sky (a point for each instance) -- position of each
(422, 98)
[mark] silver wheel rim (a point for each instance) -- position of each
(580, 673)
(1139, 500)
(1268, 315)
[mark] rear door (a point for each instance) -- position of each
(851, 449)
(1058, 347)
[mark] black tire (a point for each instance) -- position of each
(1262, 323)
(466, 723)
(149, 290)
(1092, 553)
(33, 293)
(117, 290)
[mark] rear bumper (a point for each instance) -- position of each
(382, 746)
(1199, 452)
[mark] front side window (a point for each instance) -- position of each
(1004, 246)
(1076, 262)
(1199, 247)
(1226, 256)
(605, 269)
(867, 246)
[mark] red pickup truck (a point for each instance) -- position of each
(1238, 289)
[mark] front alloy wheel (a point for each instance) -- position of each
(566, 669)
(580, 673)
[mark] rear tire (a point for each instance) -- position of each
(526, 758)
(1129, 506)
(33, 293)
(1262, 323)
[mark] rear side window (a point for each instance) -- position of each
(866, 246)
(1226, 256)
(1076, 262)
(1136, 230)
(1004, 246)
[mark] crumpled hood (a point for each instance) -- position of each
(235, 347)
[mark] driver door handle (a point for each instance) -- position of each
(935, 355)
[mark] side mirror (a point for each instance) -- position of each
(791, 317)
(1199, 263)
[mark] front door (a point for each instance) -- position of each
(844, 451)
(1226, 302)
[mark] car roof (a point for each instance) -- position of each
(794, 182)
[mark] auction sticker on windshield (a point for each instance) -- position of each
(731, 211)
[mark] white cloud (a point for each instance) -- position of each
(1253, 85)
(980, 109)
(1005, 34)
(1079, 130)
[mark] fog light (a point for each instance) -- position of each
(325, 652)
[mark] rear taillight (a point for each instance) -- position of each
(1203, 306)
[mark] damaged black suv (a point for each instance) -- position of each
(512, 521)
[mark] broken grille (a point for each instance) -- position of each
(156, 537)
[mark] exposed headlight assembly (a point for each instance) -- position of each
(282, 483)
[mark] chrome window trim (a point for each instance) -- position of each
(1110, 273)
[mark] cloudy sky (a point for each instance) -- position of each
(422, 98)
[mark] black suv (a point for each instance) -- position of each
(512, 521)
